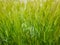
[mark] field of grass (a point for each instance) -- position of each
(31, 22)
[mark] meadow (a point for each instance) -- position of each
(29, 22)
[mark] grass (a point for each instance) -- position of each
(29, 23)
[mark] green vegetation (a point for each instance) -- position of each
(30, 23)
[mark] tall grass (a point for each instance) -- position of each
(31, 22)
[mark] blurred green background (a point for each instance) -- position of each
(29, 22)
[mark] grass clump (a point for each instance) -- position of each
(28, 22)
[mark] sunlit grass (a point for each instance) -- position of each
(29, 22)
